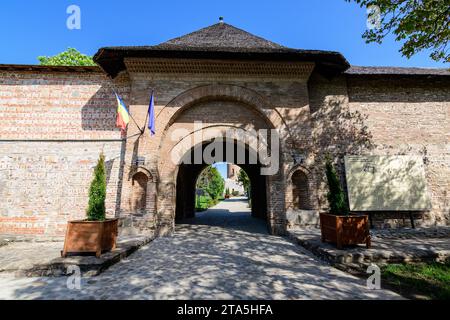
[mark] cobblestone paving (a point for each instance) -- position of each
(222, 254)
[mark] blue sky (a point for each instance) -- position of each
(222, 167)
(32, 28)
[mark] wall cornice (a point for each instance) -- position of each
(217, 69)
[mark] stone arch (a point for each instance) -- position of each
(220, 91)
(139, 183)
(143, 192)
(300, 190)
(209, 133)
(169, 170)
(188, 172)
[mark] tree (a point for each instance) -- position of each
(97, 192)
(245, 180)
(212, 182)
(70, 57)
(336, 196)
(216, 184)
(421, 24)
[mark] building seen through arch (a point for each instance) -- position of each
(232, 180)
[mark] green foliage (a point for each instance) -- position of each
(420, 25)
(212, 182)
(336, 196)
(235, 193)
(216, 184)
(245, 180)
(70, 57)
(205, 202)
(426, 279)
(97, 192)
(202, 203)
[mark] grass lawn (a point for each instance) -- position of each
(419, 281)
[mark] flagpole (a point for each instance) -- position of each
(133, 135)
(131, 116)
(141, 130)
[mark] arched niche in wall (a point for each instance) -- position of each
(300, 189)
(143, 192)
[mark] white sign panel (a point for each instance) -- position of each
(386, 183)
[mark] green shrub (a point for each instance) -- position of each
(97, 192)
(211, 181)
(202, 203)
(335, 196)
(70, 57)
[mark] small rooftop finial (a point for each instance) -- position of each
(220, 19)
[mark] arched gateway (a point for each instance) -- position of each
(216, 121)
(205, 90)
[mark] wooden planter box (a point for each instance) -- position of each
(90, 236)
(345, 230)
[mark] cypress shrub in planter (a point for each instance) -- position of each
(96, 233)
(227, 193)
(338, 226)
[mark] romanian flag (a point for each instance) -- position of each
(123, 116)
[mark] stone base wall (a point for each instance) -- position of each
(302, 218)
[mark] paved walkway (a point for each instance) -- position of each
(222, 254)
(43, 258)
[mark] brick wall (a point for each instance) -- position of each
(410, 116)
(384, 116)
(54, 126)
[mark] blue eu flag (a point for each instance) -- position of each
(151, 116)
